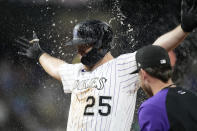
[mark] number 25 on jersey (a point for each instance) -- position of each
(101, 104)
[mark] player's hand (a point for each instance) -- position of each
(30, 49)
(188, 15)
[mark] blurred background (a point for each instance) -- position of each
(30, 100)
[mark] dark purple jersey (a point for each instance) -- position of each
(171, 109)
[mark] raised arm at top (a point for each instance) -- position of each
(171, 39)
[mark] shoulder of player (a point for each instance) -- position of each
(157, 101)
(181, 94)
(150, 110)
(148, 107)
(71, 67)
(127, 55)
(148, 103)
(152, 117)
(178, 89)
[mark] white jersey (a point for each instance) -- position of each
(103, 99)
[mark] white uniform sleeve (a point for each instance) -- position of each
(68, 74)
(126, 64)
(127, 61)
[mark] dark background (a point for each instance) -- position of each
(30, 100)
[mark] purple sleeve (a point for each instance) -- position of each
(152, 118)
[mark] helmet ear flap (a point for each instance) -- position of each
(92, 57)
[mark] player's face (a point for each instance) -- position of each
(84, 49)
(145, 85)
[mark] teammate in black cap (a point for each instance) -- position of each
(169, 108)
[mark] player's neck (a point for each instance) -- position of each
(105, 59)
(158, 85)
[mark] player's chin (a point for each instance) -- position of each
(79, 56)
(88, 68)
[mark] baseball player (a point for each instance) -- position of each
(103, 91)
(170, 107)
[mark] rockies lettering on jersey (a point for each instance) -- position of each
(103, 99)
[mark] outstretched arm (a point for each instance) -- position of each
(173, 38)
(51, 65)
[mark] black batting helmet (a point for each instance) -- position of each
(94, 32)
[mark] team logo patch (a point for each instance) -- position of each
(163, 61)
(181, 92)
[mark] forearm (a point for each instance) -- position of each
(171, 39)
(51, 65)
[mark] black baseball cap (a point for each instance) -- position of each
(151, 56)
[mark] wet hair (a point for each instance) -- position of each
(163, 73)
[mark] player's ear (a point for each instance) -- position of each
(143, 74)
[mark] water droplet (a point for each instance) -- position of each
(53, 24)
